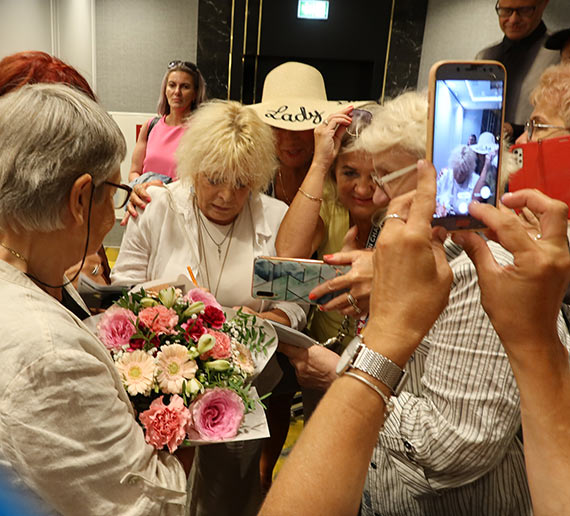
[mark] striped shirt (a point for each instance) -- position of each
(450, 446)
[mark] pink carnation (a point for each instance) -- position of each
(116, 328)
(217, 414)
(158, 319)
(222, 348)
(194, 329)
(165, 425)
(198, 294)
(214, 316)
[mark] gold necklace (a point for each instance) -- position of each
(282, 187)
(15, 253)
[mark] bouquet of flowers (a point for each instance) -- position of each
(186, 368)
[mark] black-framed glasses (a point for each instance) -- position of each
(186, 64)
(360, 119)
(507, 12)
(531, 125)
(121, 195)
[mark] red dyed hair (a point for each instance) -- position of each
(33, 67)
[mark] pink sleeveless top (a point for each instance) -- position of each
(162, 142)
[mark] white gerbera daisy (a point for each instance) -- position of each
(174, 365)
(137, 372)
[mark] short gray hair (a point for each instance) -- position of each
(229, 143)
(51, 134)
(400, 122)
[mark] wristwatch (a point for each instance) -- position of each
(358, 356)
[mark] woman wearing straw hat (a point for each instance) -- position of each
(294, 102)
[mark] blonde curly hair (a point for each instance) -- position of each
(227, 142)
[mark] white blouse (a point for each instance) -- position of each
(164, 240)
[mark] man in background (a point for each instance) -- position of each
(560, 41)
(523, 54)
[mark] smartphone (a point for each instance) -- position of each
(465, 127)
(292, 279)
(544, 165)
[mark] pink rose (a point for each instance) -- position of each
(214, 316)
(198, 294)
(116, 328)
(165, 425)
(194, 329)
(216, 414)
(222, 348)
(158, 319)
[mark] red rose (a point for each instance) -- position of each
(194, 329)
(214, 316)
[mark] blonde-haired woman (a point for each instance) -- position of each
(182, 90)
(216, 221)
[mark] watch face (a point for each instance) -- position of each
(347, 356)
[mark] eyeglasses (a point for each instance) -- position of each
(121, 195)
(360, 119)
(381, 181)
(186, 64)
(531, 125)
(507, 12)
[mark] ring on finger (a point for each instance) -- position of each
(538, 236)
(95, 270)
(325, 121)
(390, 216)
(353, 303)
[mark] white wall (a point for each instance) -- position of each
(136, 39)
(75, 23)
(25, 25)
(458, 29)
(63, 28)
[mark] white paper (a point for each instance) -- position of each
(290, 336)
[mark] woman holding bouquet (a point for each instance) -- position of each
(216, 220)
(69, 439)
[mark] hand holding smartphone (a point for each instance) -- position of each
(291, 279)
(465, 127)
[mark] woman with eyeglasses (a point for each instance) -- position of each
(31, 67)
(183, 89)
(70, 441)
(216, 220)
(332, 209)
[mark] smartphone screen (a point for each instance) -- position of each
(466, 114)
(288, 279)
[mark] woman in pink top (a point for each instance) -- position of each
(183, 90)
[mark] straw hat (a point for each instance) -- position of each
(486, 143)
(294, 97)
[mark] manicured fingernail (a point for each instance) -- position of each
(506, 195)
(327, 256)
(320, 308)
(312, 296)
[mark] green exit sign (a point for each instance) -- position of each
(313, 9)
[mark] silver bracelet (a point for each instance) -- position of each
(309, 196)
(388, 403)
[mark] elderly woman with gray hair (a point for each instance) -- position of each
(450, 441)
(215, 220)
(69, 439)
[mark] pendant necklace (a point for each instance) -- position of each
(220, 244)
(202, 250)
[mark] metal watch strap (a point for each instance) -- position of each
(379, 367)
